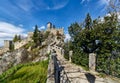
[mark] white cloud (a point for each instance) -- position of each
(42, 27)
(104, 2)
(30, 5)
(82, 1)
(20, 25)
(58, 5)
(10, 28)
(7, 31)
(101, 19)
(25, 5)
(67, 37)
(119, 15)
(33, 27)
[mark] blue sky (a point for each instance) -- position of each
(20, 16)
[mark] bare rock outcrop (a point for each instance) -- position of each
(10, 59)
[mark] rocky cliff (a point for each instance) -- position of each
(29, 53)
(10, 59)
(20, 56)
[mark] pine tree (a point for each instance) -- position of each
(15, 39)
(11, 47)
(107, 34)
(79, 57)
(36, 35)
(102, 39)
(88, 22)
(87, 36)
(19, 37)
(40, 38)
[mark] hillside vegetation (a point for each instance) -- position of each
(26, 73)
(99, 37)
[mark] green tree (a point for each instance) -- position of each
(15, 39)
(67, 48)
(88, 22)
(11, 47)
(41, 37)
(102, 39)
(74, 29)
(87, 36)
(37, 36)
(19, 37)
(107, 35)
(79, 57)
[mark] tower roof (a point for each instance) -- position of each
(49, 23)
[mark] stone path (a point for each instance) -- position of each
(72, 73)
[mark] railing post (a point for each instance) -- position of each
(70, 55)
(92, 61)
(62, 52)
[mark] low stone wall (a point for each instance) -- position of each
(50, 75)
(59, 49)
(54, 68)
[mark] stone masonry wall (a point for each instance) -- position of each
(2, 50)
(54, 31)
(18, 44)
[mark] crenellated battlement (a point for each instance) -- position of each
(53, 29)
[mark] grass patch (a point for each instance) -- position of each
(26, 73)
(85, 68)
(29, 44)
(102, 75)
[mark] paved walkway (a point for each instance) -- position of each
(72, 73)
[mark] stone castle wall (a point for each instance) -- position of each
(54, 31)
(21, 43)
(18, 44)
(6, 46)
(2, 50)
(30, 34)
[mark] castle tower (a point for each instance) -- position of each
(49, 25)
(7, 44)
(30, 34)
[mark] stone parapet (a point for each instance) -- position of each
(50, 75)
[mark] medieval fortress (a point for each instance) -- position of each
(17, 45)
